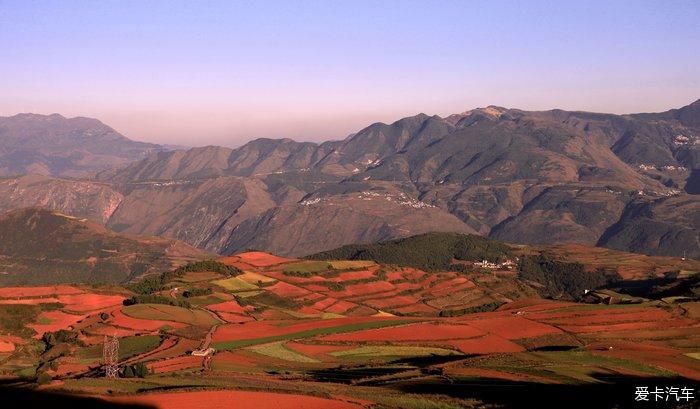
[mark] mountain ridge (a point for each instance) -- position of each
(54, 145)
(521, 176)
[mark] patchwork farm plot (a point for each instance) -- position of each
(335, 328)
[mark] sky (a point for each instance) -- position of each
(224, 72)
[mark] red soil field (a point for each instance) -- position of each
(262, 259)
(176, 364)
(309, 311)
(122, 320)
(59, 320)
(325, 303)
(257, 329)
(413, 332)
(450, 284)
(235, 358)
(374, 296)
(408, 286)
(488, 344)
(239, 264)
(316, 287)
(311, 297)
(234, 318)
(235, 399)
(30, 301)
(354, 275)
(287, 290)
(17, 292)
(405, 274)
(368, 288)
(395, 276)
(451, 290)
(418, 308)
(7, 346)
(90, 302)
(428, 281)
(384, 303)
(512, 327)
(340, 307)
(102, 330)
(228, 306)
(13, 339)
(352, 294)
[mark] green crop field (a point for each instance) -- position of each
(235, 284)
(128, 347)
(393, 351)
(253, 278)
(307, 267)
(351, 264)
(280, 351)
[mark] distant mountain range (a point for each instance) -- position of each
(627, 182)
(59, 146)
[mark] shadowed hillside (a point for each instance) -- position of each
(41, 246)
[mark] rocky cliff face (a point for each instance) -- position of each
(529, 177)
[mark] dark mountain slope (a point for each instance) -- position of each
(666, 227)
(39, 246)
(430, 252)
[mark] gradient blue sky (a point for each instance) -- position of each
(223, 72)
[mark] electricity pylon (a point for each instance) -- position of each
(110, 356)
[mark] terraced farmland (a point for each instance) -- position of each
(362, 331)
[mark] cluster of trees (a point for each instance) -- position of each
(153, 283)
(430, 252)
(562, 279)
(58, 337)
(298, 273)
(137, 370)
(155, 299)
(207, 265)
(196, 292)
(15, 317)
